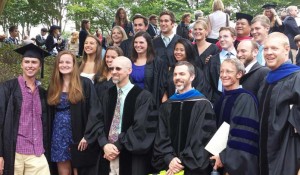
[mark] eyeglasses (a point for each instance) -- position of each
(113, 68)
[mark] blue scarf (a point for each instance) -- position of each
(281, 72)
(189, 94)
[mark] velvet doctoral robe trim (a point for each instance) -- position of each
(238, 120)
(127, 120)
(189, 94)
(281, 72)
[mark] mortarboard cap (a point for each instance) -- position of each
(33, 51)
(53, 27)
(269, 6)
(244, 16)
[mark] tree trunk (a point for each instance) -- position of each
(2, 5)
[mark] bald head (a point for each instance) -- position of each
(276, 50)
(124, 61)
(121, 68)
(282, 38)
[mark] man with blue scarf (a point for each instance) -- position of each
(186, 124)
(279, 110)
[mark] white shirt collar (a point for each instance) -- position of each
(250, 66)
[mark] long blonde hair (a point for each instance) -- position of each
(75, 93)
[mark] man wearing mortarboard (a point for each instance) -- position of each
(242, 28)
(24, 126)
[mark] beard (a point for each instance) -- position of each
(180, 87)
(115, 81)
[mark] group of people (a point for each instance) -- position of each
(149, 104)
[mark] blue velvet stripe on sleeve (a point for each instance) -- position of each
(243, 147)
(244, 134)
(246, 122)
(244, 137)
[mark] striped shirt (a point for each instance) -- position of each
(30, 133)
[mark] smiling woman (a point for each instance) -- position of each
(91, 60)
(67, 94)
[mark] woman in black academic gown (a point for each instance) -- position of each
(72, 101)
(147, 71)
(184, 51)
(204, 50)
(103, 80)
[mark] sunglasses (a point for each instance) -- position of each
(112, 68)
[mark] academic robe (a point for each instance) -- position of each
(154, 78)
(163, 52)
(212, 74)
(101, 87)
(252, 80)
(279, 112)
(10, 110)
(200, 83)
(200, 59)
(127, 46)
(139, 123)
(239, 108)
(80, 113)
(184, 129)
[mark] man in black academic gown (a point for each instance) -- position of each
(255, 73)
(227, 36)
(238, 108)
(126, 129)
(279, 99)
(140, 23)
(186, 124)
(164, 44)
(24, 125)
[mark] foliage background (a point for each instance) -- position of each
(10, 65)
(28, 13)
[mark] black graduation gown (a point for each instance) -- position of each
(298, 58)
(184, 129)
(101, 87)
(212, 74)
(163, 52)
(239, 108)
(277, 28)
(200, 83)
(279, 113)
(253, 79)
(200, 59)
(155, 75)
(10, 110)
(80, 113)
(139, 123)
(127, 47)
